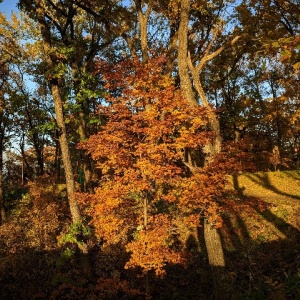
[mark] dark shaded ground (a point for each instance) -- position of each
(259, 265)
(255, 271)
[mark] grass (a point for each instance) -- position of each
(271, 186)
(279, 195)
(261, 235)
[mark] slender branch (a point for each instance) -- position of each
(211, 56)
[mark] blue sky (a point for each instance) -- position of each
(8, 5)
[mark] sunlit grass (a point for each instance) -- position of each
(268, 209)
(271, 186)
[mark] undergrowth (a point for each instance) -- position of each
(260, 236)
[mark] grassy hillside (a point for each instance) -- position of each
(261, 235)
(271, 186)
(269, 204)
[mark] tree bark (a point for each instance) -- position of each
(185, 80)
(171, 55)
(57, 160)
(211, 235)
(37, 143)
(143, 20)
(216, 260)
(2, 210)
(25, 164)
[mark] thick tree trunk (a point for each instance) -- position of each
(143, 21)
(211, 235)
(65, 153)
(185, 80)
(216, 260)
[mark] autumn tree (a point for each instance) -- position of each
(196, 49)
(256, 95)
(147, 192)
(3, 75)
(179, 84)
(9, 56)
(38, 11)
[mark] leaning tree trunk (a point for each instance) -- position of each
(211, 235)
(63, 141)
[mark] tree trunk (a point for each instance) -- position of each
(216, 260)
(143, 20)
(2, 211)
(37, 143)
(69, 175)
(87, 173)
(185, 80)
(57, 158)
(63, 141)
(171, 55)
(25, 164)
(65, 153)
(86, 165)
(211, 235)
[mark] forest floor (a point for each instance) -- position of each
(260, 234)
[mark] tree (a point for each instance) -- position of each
(37, 11)
(147, 190)
(160, 94)
(192, 60)
(9, 52)
(2, 135)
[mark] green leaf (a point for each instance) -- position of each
(276, 44)
(285, 53)
(93, 122)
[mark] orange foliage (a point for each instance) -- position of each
(38, 218)
(152, 247)
(145, 184)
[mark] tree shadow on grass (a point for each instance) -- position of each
(260, 264)
(263, 265)
(264, 180)
(294, 174)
